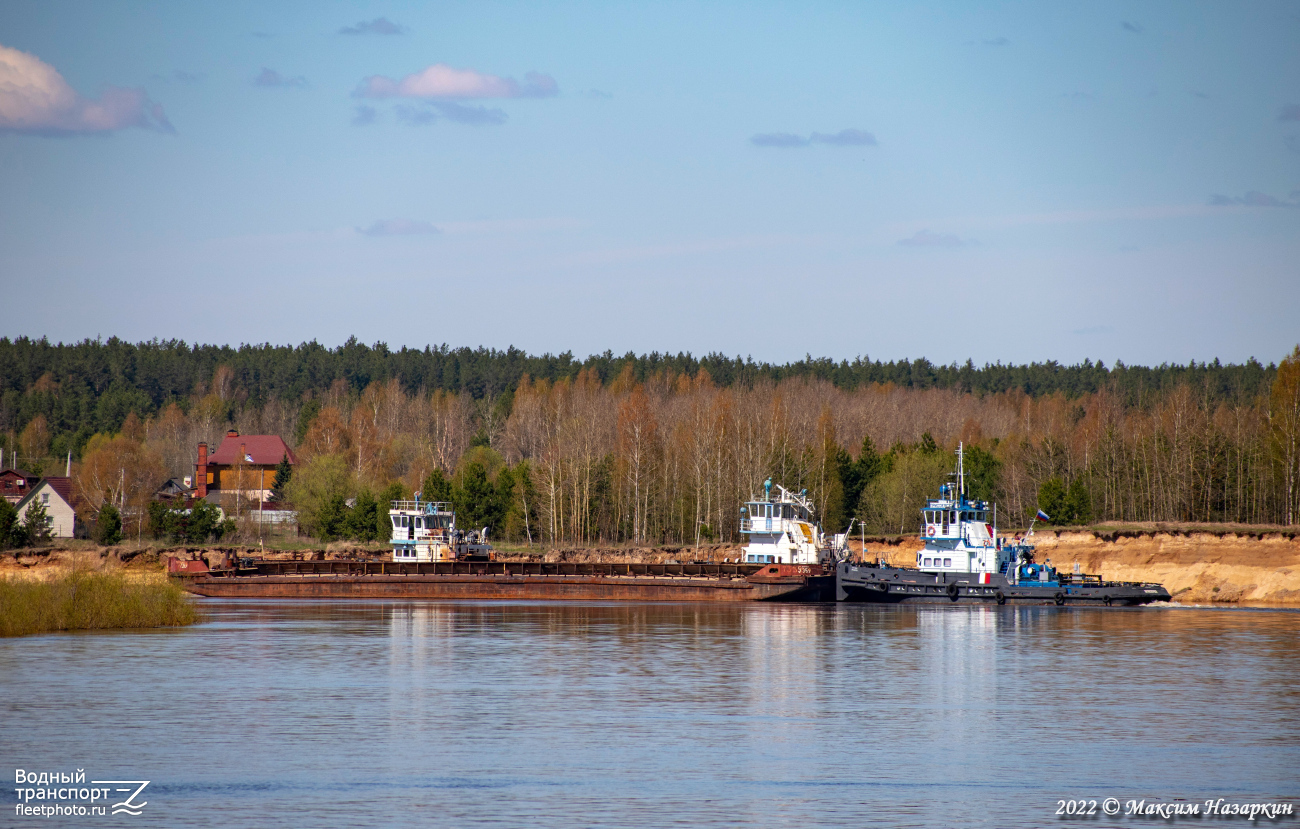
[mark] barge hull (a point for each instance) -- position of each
(526, 588)
(887, 585)
(513, 581)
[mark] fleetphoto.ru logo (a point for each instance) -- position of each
(69, 794)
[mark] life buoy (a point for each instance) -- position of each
(953, 590)
(930, 532)
(1000, 597)
(1059, 598)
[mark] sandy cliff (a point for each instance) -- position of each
(1196, 566)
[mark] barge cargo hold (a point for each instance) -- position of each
(528, 581)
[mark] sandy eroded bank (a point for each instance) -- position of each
(1196, 565)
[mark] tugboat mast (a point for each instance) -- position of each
(961, 472)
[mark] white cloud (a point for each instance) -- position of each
(399, 227)
(441, 81)
(34, 98)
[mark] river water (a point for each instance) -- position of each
(306, 714)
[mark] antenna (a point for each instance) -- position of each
(961, 471)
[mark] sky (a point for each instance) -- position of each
(1014, 182)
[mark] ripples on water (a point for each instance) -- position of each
(294, 714)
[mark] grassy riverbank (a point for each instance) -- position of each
(92, 601)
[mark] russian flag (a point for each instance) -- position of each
(1042, 516)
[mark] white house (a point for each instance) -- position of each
(56, 494)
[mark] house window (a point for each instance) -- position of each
(45, 497)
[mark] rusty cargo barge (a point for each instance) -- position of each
(524, 581)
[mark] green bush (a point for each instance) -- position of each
(199, 524)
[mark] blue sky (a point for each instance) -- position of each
(1013, 181)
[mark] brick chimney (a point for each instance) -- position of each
(233, 433)
(201, 471)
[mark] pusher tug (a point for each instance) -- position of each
(964, 561)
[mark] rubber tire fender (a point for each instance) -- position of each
(1059, 598)
(1001, 597)
(953, 591)
(1106, 600)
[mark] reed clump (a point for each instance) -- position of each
(80, 600)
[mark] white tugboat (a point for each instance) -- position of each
(782, 530)
(426, 531)
(964, 560)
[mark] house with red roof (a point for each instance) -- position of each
(16, 484)
(243, 466)
(55, 493)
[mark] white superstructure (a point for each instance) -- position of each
(782, 530)
(426, 531)
(961, 534)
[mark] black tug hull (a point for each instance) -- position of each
(895, 585)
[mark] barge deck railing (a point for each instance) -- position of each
(488, 568)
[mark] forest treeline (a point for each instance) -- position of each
(100, 382)
(661, 449)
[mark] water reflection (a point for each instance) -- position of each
(410, 713)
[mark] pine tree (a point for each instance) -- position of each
(982, 470)
(1051, 500)
(283, 474)
(11, 530)
(108, 525)
(436, 486)
(1077, 504)
(36, 523)
(362, 520)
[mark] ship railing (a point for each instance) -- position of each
(1079, 579)
(760, 525)
(500, 568)
(426, 507)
